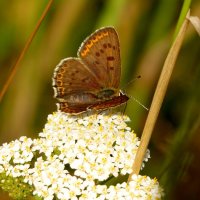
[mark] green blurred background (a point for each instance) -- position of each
(146, 30)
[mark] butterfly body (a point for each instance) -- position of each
(91, 81)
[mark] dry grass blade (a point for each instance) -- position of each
(158, 97)
(28, 43)
(195, 21)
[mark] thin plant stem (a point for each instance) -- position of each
(24, 50)
(158, 97)
(184, 10)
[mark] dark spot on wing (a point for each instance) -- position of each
(110, 58)
(74, 72)
(59, 83)
(89, 42)
(84, 48)
(109, 45)
(62, 70)
(104, 46)
(101, 50)
(59, 75)
(97, 54)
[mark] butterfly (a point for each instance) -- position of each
(91, 81)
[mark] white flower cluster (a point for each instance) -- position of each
(74, 155)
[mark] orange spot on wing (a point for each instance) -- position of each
(85, 52)
(61, 90)
(94, 40)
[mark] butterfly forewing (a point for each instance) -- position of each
(101, 54)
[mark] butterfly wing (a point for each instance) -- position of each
(71, 77)
(100, 52)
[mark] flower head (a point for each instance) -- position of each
(74, 157)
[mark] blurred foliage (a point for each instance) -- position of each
(146, 31)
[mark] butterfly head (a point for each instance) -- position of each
(106, 93)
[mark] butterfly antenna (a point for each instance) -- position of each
(133, 80)
(130, 82)
(139, 103)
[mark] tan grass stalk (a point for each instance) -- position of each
(158, 97)
(24, 50)
(195, 21)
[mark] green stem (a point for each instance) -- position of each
(184, 10)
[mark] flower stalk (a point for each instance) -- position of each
(159, 96)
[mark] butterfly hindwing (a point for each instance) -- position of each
(72, 77)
